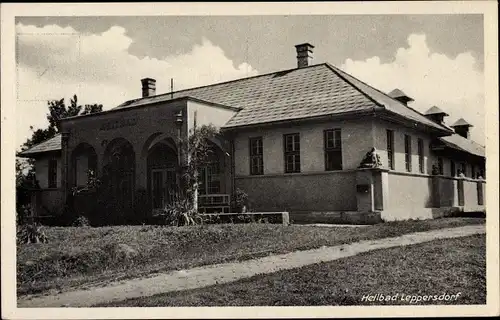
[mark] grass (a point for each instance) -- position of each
(76, 257)
(434, 268)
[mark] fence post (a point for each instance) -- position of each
(285, 218)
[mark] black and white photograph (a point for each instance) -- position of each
(253, 155)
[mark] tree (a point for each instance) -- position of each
(195, 149)
(57, 111)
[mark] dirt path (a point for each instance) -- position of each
(228, 272)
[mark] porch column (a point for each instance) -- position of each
(454, 199)
(64, 164)
(460, 190)
(141, 174)
(372, 189)
(480, 191)
(436, 191)
(384, 189)
(365, 193)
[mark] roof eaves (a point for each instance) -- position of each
(402, 119)
(343, 115)
(150, 104)
(454, 146)
(24, 154)
(28, 151)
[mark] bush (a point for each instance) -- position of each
(180, 212)
(31, 233)
(81, 221)
(240, 201)
(23, 214)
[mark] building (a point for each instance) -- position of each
(293, 140)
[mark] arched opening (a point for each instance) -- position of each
(162, 172)
(118, 178)
(83, 160)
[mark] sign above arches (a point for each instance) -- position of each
(118, 123)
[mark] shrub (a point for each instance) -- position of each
(240, 201)
(31, 233)
(180, 212)
(81, 221)
(24, 213)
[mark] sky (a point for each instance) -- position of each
(435, 59)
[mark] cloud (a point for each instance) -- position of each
(55, 62)
(456, 85)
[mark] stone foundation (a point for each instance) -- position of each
(335, 217)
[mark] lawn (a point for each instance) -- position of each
(77, 257)
(453, 267)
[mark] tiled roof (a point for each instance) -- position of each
(285, 95)
(389, 103)
(461, 122)
(435, 110)
(458, 142)
(52, 144)
(317, 90)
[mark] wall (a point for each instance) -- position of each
(356, 142)
(380, 129)
(448, 191)
(42, 170)
(208, 114)
(48, 202)
(470, 193)
(331, 191)
(447, 165)
(408, 195)
(137, 125)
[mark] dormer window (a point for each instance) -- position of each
(435, 114)
(400, 96)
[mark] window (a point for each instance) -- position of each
(256, 158)
(210, 179)
(52, 173)
(463, 168)
(440, 165)
(482, 173)
(420, 155)
(292, 152)
(390, 149)
(473, 171)
(333, 149)
(453, 170)
(408, 153)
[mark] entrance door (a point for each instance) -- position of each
(163, 183)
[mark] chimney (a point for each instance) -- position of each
(304, 54)
(148, 87)
(435, 114)
(462, 128)
(400, 96)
